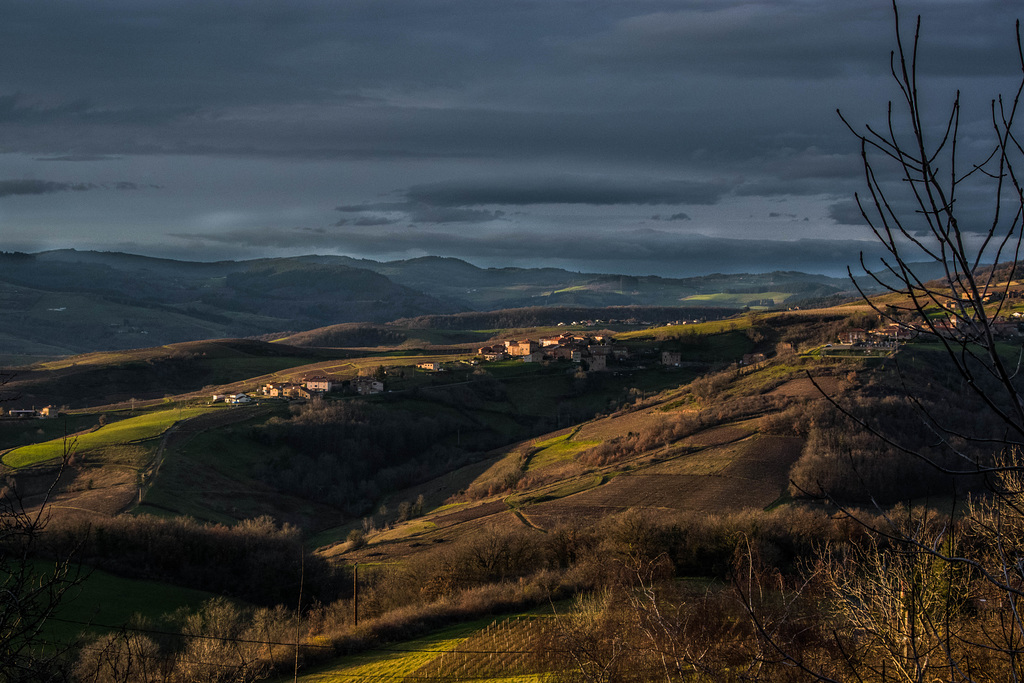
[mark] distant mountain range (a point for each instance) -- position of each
(67, 301)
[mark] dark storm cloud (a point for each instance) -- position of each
(846, 213)
(368, 221)
(13, 109)
(332, 80)
(16, 109)
(775, 187)
(809, 172)
(784, 39)
(79, 157)
(141, 61)
(460, 78)
(426, 213)
(538, 103)
(413, 212)
(10, 188)
(454, 201)
(125, 185)
(761, 39)
(389, 132)
(567, 190)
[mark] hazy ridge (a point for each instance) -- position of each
(67, 301)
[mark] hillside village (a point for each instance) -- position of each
(593, 353)
(600, 353)
(588, 352)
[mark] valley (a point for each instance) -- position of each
(452, 454)
(429, 485)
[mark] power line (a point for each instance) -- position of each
(226, 639)
(157, 658)
(248, 641)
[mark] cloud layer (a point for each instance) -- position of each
(10, 188)
(628, 133)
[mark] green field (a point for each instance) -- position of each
(472, 651)
(562, 489)
(14, 433)
(133, 429)
(102, 602)
(395, 662)
(728, 299)
(711, 327)
(558, 449)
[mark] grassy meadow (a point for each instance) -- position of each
(102, 602)
(131, 430)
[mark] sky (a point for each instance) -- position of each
(641, 137)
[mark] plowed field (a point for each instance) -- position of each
(751, 473)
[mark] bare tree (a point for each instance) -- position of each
(942, 598)
(31, 588)
(921, 204)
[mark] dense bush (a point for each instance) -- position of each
(256, 559)
(627, 562)
(347, 453)
(843, 460)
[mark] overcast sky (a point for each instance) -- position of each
(642, 137)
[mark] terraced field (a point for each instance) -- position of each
(751, 473)
(508, 650)
(725, 468)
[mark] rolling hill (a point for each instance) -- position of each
(484, 489)
(66, 302)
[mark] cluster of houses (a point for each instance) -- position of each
(889, 336)
(633, 322)
(1001, 326)
(317, 386)
(232, 399)
(592, 350)
(306, 389)
(30, 413)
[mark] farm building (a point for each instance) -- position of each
(367, 385)
(321, 384)
(31, 413)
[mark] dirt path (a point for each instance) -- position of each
(180, 433)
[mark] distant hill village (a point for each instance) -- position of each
(950, 325)
(597, 353)
(591, 352)
(306, 389)
(30, 413)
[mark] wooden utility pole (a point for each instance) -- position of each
(355, 594)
